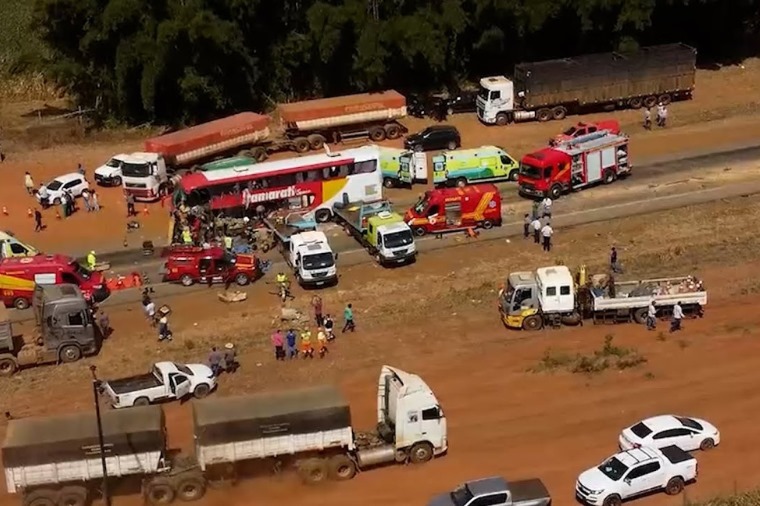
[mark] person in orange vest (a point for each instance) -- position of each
(322, 340)
(306, 347)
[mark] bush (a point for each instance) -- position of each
(608, 356)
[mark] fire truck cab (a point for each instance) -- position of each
(599, 157)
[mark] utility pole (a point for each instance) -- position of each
(374, 9)
(101, 443)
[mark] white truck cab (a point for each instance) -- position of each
(312, 259)
(395, 241)
(497, 104)
(144, 176)
(109, 174)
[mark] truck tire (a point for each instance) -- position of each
(559, 113)
(389, 183)
(159, 492)
(8, 366)
(533, 322)
(313, 471)
(72, 495)
(419, 231)
(514, 174)
(544, 115)
(640, 315)
(487, 225)
(141, 401)
(674, 486)
(635, 103)
(650, 101)
(20, 303)
(376, 134)
(461, 182)
(41, 497)
(664, 99)
(190, 488)
(707, 444)
(502, 119)
(259, 154)
(341, 468)
(70, 353)
(420, 452)
(609, 177)
(301, 144)
(116, 181)
(322, 215)
(555, 192)
(242, 279)
(316, 141)
(612, 500)
(392, 131)
(186, 280)
(201, 391)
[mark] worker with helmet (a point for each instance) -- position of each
(91, 260)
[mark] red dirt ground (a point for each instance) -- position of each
(721, 115)
(502, 418)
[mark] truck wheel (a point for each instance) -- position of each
(159, 492)
(301, 144)
(41, 497)
(635, 103)
(186, 280)
(316, 141)
(21, 303)
(392, 131)
(190, 488)
(201, 391)
(341, 468)
(532, 322)
(487, 225)
(555, 192)
(640, 315)
(322, 216)
(650, 101)
(72, 495)
(664, 99)
(461, 182)
(420, 452)
(242, 279)
(609, 176)
(707, 444)
(313, 471)
(612, 500)
(116, 181)
(259, 154)
(8, 366)
(674, 486)
(502, 119)
(70, 354)
(559, 112)
(544, 115)
(514, 174)
(141, 401)
(376, 134)
(389, 183)
(419, 231)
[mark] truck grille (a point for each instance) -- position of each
(135, 185)
(401, 253)
(581, 490)
(529, 189)
(320, 274)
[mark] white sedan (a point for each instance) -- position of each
(660, 431)
(73, 182)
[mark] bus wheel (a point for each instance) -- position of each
(301, 144)
(316, 141)
(322, 216)
(392, 131)
(259, 154)
(376, 134)
(532, 322)
(21, 303)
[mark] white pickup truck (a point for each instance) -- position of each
(634, 473)
(165, 381)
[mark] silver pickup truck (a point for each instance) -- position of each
(496, 491)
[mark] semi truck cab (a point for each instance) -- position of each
(497, 102)
(312, 258)
(144, 176)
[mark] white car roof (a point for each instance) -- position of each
(65, 178)
(637, 455)
(662, 422)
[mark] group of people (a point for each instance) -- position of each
(539, 222)
(151, 314)
(67, 200)
(223, 360)
(661, 116)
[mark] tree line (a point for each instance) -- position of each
(183, 61)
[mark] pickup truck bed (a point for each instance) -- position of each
(528, 490)
(676, 455)
(134, 383)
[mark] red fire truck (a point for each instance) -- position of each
(574, 165)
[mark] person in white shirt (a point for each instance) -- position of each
(651, 316)
(44, 196)
(28, 183)
(675, 323)
(536, 225)
(150, 312)
(546, 205)
(547, 233)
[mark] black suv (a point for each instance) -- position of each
(434, 137)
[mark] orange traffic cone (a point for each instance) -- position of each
(5, 210)
(146, 211)
(57, 215)
(29, 213)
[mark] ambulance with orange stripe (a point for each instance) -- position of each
(18, 276)
(452, 209)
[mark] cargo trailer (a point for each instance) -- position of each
(555, 88)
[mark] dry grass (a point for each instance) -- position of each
(749, 498)
(609, 356)
(26, 87)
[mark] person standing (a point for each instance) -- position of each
(80, 169)
(664, 116)
(526, 225)
(29, 183)
(614, 265)
(215, 359)
(86, 200)
(163, 329)
(130, 205)
(329, 327)
(675, 324)
(648, 118)
(316, 304)
(348, 316)
(278, 343)
(64, 205)
(546, 232)
(150, 312)
(290, 338)
(322, 341)
(38, 221)
(91, 260)
(546, 205)
(534, 210)
(230, 358)
(306, 347)
(536, 225)
(44, 196)
(651, 316)
(94, 200)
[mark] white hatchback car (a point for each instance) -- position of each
(73, 181)
(665, 430)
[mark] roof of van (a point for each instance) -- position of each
(36, 260)
(476, 152)
(467, 191)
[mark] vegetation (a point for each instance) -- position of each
(608, 356)
(750, 498)
(188, 60)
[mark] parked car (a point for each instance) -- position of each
(455, 103)
(687, 433)
(434, 137)
(636, 472)
(73, 181)
(495, 491)
(109, 174)
(417, 106)
(582, 128)
(164, 381)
